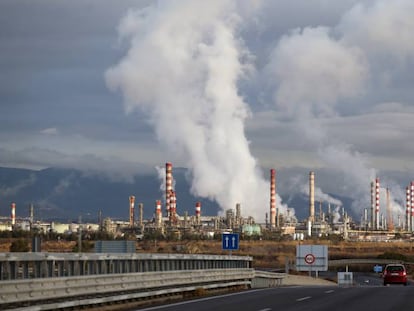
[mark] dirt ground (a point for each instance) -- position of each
(266, 254)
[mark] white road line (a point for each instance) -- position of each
(329, 291)
(304, 298)
(205, 299)
(267, 309)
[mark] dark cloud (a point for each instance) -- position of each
(344, 67)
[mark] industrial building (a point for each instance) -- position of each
(332, 220)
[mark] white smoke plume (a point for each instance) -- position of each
(185, 62)
(319, 194)
(316, 68)
(182, 67)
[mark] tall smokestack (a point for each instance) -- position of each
(377, 203)
(373, 210)
(173, 207)
(390, 220)
(158, 213)
(408, 208)
(141, 214)
(198, 212)
(31, 215)
(168, 186)
(131, 211)
(311, 197)
(272, 198)
(238, 214)
(13, 213)
(412, 206)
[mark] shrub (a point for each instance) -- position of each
(392, 255)
(19, 245)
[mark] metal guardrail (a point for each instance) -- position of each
(14, 266)
(55, 293)
(341, 262)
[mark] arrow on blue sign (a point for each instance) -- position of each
(230, 241)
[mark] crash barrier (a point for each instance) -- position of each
(14, 266)
(65, 292)
(52, 281)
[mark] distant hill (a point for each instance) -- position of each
(66, 194)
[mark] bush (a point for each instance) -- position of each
(392, 255)
(19, 245)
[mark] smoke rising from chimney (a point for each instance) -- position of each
(182, 68)
(315, 69)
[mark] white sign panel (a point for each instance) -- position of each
(311, 257)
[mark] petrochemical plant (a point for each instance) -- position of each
(334, 221)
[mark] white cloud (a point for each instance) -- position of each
(49, 131)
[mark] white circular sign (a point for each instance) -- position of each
(309, 259)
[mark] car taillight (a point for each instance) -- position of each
(404, 273)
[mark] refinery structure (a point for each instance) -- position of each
(166, 221)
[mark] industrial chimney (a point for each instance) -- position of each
(412, 205)
(198, 212)
(168, 186)
(141, 214)
(158, 213)
(377, 203)
(311, 197)
(173, 207)
(408, 208)
(272, 198)
(131, 211)
(13, 213)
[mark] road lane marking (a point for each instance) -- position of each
(205, 299)
(329, 291)
(267, 309)
(304, 298)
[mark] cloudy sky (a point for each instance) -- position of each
(227, 89)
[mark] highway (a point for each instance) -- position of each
(301, 298)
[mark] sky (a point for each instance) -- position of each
(228, 89)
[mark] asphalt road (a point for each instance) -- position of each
(300, 298)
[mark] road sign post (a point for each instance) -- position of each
(230, 241)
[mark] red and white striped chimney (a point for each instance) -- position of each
(173, 206)
(13, 213)
(412, 205)
(373, 205)
(272, 198)
(408, 208)
(198, 212)
(377, 202)
(168, 186)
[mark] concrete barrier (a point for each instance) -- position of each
(264, 279)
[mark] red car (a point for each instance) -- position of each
(395, 274)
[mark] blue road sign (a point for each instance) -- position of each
(377, 269)
(230, 241)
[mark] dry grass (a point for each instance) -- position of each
(271, 254)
